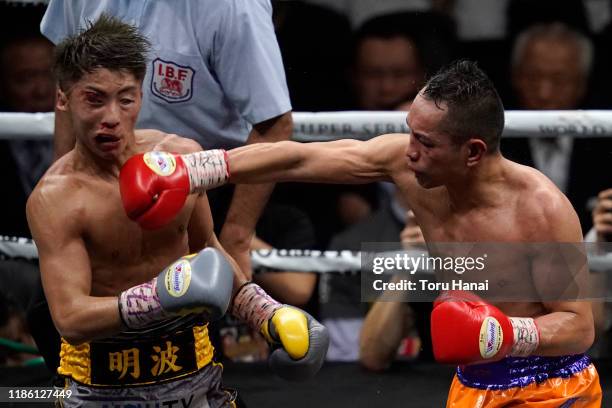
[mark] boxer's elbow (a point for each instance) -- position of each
(70, 331)
(582, 338)
(75, 326)
(372, 360)
(372, 354)
(587, 338)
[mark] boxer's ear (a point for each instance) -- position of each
(61, 100)
(476, 149)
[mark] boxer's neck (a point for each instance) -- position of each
(101, 166)
(479, 186)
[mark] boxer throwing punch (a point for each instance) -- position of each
(131, 304)
(461, 189)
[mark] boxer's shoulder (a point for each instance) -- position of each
(55, 206)
(152, 139)
(539, 201)
(59, 193)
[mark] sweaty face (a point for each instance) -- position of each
(103, 107)
(387, 73)
(27, 82)
(431, 154)
(549, 75)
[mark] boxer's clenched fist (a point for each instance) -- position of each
(155, 185)
(199, 283)
(300, 342)
(465, 329)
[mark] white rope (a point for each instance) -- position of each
(280, 259)
(324, 126)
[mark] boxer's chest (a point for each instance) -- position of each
(121, 252)
(497, 244)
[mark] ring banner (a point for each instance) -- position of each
(363, 125)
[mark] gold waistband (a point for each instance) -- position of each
(139, 361)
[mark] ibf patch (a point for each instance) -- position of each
(172, 82)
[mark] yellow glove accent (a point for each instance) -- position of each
(291, 326)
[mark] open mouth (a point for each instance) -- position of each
(106, 139)
(107, 142)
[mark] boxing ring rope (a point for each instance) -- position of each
(295, 260)
(324, 126)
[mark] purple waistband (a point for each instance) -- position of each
(520, 372)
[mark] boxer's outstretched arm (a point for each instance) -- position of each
(249, 201)
(342, 161)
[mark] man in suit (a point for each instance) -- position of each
(551, 64)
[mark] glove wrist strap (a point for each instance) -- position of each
(254, 306)
(207, 169)
(139, 306)
(526, 336)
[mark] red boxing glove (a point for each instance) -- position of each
(154, 185)
(465, 329)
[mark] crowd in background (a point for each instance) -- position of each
(364, 55)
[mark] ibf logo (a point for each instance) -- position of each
(172, 82)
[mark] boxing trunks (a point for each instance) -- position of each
(168, 365)
(543, 382)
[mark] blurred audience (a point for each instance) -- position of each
(26, 85)
(392, 55)
(342, 311)
(315, 60)
(551, 64)
(15, 337)
(602, 218)
(389, 330)
(522, 14)
(388, 66)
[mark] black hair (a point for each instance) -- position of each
(106, 43)
(474, 108)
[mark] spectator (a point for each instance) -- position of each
(391, 59)
(388, 330)
(387, 64)
(26, 85)
(551, 64)
(601, 236)
(14, 329)
(341, 310)
(394, 53)
(602, 217)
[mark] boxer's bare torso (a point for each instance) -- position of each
(523, 204)
(121, 254)
(457, 196)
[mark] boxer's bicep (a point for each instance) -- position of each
(561, 278)
(64, 262)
